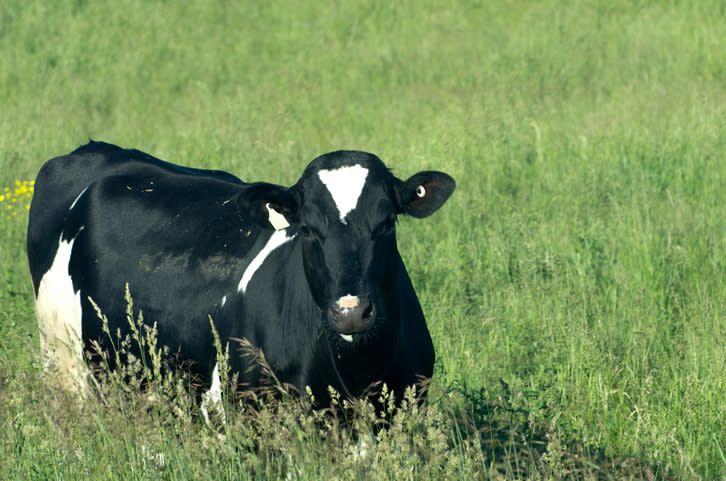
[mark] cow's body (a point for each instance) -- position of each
(325, 295)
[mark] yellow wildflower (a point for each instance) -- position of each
(16, 195)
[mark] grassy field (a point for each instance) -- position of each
(574, 285)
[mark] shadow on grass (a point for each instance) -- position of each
(520, 445)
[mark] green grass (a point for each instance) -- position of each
(580, 261)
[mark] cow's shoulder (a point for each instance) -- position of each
(192, 217)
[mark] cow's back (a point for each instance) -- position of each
(60, 182)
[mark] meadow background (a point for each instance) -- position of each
(573, 285)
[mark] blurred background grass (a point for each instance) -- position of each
(581, 259)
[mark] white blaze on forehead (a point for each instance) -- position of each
(277, 239)
(58, 309)
(345, 186)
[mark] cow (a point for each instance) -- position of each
(310, 275)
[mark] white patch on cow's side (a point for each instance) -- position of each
(58, 309)
(345, 186)
(224, 301)
(77, 198)
(346, 337)
(277, 220)
(277, 239)
(212, 399)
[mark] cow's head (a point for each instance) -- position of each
(344, 208)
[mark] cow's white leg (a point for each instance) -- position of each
(58, 309)
(212, 399)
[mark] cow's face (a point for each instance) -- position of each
(344, 208)
(347, 218)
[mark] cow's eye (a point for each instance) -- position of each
(308, 232)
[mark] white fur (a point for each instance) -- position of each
(77, 198)
(345, 186)
(58, 309)
(347, 337)
(213, 398)
(365, 446)
(277, 239)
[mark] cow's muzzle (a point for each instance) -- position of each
(351, 314)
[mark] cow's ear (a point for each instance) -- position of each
(423, 194)
(268, 204)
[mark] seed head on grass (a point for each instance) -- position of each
(133, 372)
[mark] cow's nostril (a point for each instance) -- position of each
(369, 312)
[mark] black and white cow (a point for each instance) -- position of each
(310, 274)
